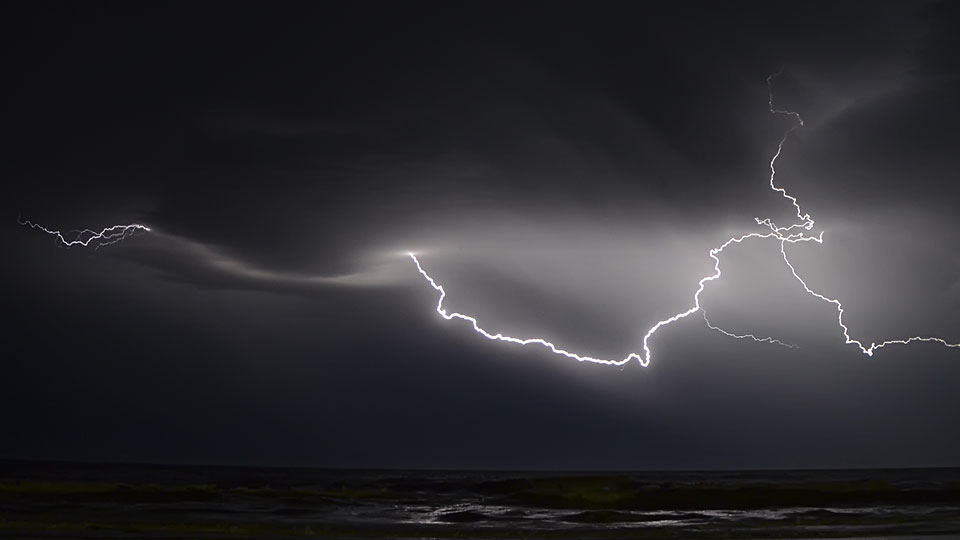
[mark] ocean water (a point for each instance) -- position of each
(58, 500)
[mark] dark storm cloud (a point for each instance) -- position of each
(238, 125)
(562, 169)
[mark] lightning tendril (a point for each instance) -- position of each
(86, 237)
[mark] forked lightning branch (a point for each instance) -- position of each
(799, 231)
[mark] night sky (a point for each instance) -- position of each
(562, 169)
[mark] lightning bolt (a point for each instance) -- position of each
(500, 337)
(772, 340)
(785, 235)
(85, 237)
(790, 234)
(846, 331)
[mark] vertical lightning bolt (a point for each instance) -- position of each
(86, 237)
(806, 222)
(784, 234)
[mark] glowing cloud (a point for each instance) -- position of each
(783, 235)
(790, 234)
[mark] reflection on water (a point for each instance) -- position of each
(93, 501)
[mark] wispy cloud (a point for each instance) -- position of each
(184, 260)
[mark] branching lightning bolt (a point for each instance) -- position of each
(790, 234)
(785, 235)
(86, 237)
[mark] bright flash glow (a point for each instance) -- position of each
(86, 237)
(784, 235)
(790, 234)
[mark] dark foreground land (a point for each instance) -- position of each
(56, 500)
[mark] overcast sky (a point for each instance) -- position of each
(562, 169)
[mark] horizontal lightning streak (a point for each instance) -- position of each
(84, 237)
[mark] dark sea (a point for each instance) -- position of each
(61, 500)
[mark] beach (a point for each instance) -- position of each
(61, 500)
